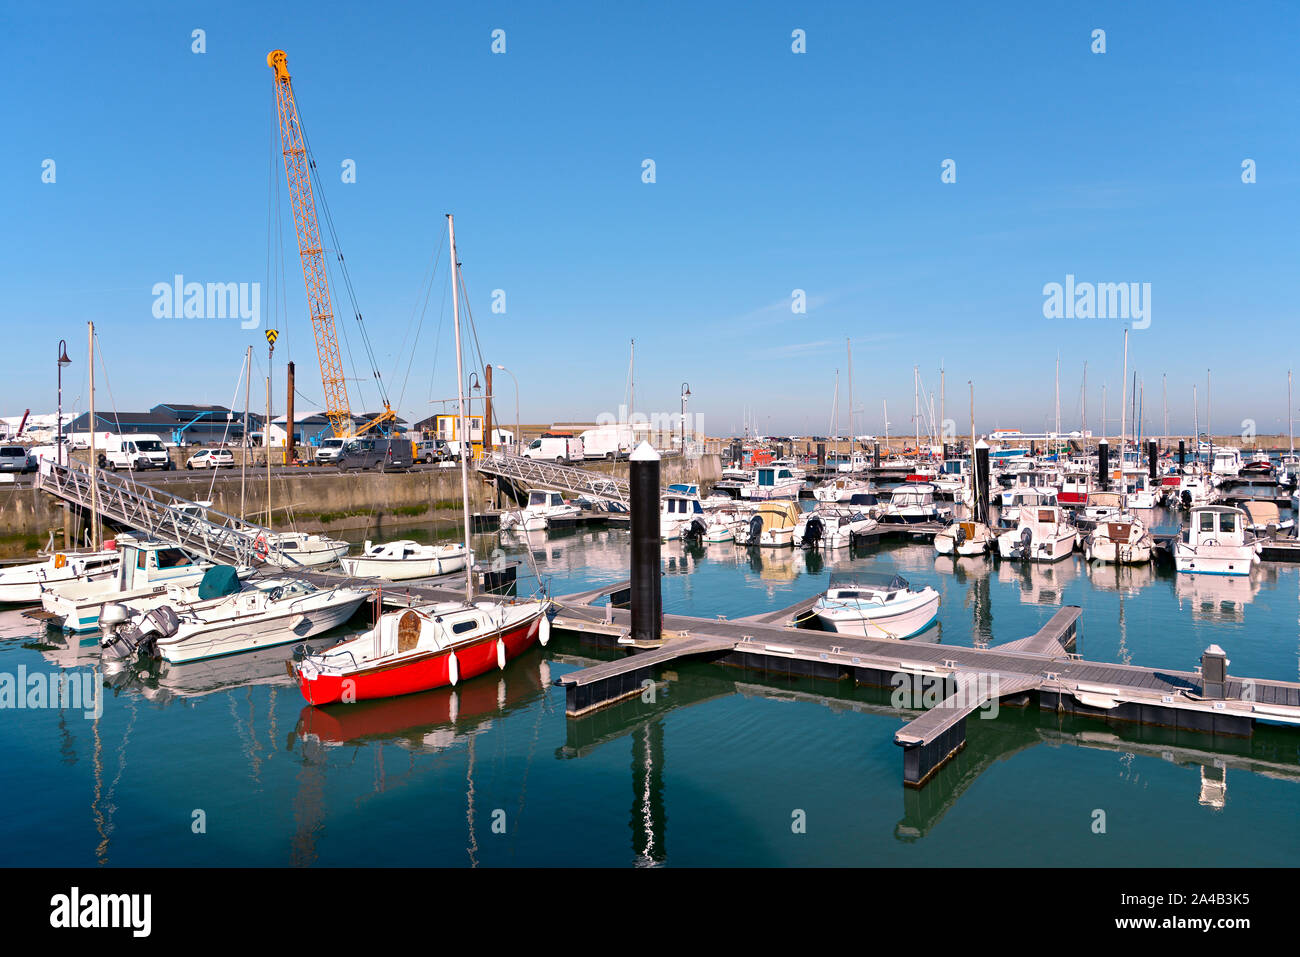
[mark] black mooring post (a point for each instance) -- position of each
(982, 480)
(1103, 464)
(1182, 454)
(875, 456)
(643, 488)
(1152, 458)
(821, 455)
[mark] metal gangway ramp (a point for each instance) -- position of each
(169, 518)
(534, 473)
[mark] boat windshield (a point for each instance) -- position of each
(869, 581)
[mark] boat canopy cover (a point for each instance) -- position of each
(864, 498)
(684, 489)
(873, 581)
(218, 581)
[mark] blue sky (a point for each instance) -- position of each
(775, 171)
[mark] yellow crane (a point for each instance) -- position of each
(297, 170)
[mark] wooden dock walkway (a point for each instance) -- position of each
(969, 678)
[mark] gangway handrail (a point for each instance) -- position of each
(555, 476)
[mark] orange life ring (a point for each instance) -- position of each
(60, 560)
(261, 549)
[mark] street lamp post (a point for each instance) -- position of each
(63, 361)
(686, 394)
(516, 382)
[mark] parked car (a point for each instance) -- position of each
(15, 458)
(211, 459)
(432, 450)
(383, 454)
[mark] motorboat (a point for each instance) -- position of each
(1226, 463)
(963, 539)
(1264, 519)
(774, 481)
(1194, 488)
(420, 649)
(857, 462)
(911, 503)
(1122, 539)
(259, 614)
(290, 550)
(148, 571)
(1041, 534)
(1216, 542)
(678, 506)
(23, 583)
(840, 489)
(1025, 498)
(953, 477)
(770, 525)
(1046, 480)
(832, 525)
(875, 605)
(1075, 487)
(405, 559)
(542, 507)
(1101, 506)
(1259, 464)
(1139, 492)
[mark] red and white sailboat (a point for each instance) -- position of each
(433, 646)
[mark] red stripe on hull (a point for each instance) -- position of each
(423, 674)
(1072, 498)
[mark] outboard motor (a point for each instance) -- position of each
(1187, 498)
(755, 529)
(959, 537)
(694, 532)
(812, 531)
(125, 641)
(1026, 537)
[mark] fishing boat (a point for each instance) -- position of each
(839, 489)
(23, 584)
(1008, 515)
(1075, 486)
(875, 605)
(542, 507)
(1042, 534)
(778, 480)
(404, 559)
(260, 614)
(1103, 506)
(1121, 540)
(964, 539)
(149, 571)
(1216, 542)
(432, 646)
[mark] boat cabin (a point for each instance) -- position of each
(1215, 525)
(541, 499)
(867, 586)
(146, 562)
(680, 501)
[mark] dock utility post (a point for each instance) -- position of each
(1214, 672)
(1153, 456)
(643, 491)
(982, 482)
(821, 455)
(1103, 464)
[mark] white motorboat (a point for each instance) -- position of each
(1216, 542)
(964, 539)
(1139, 491)
(770, 525)
(1227, 462)
(1008, 515)
(1075, 486)
(1041, 534)
(678, 507)
(912, 503)
(840, 489)
(1103, 506)
(146, 573)
(23, 584)
(1263, 518)
(774, 481)
(542, 507)
(290, 550)
(857, 463)
(404, 559)
(1120, 540)
(874, 605)
(832, 525)
(1194, 488)
(261, 614)
(1038, 479)
(954, 477)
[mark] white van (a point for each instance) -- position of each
(142, 451)
(557, 448)
(608, 442)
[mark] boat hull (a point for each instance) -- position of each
(402, 569)
(236, 636)
(904, 624)
(423, 673)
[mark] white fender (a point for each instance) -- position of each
(544, 630)
(544, 673)
(501, 694)
(453, 668)
(501, 654)
(453, 707)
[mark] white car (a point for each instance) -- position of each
(211, 459)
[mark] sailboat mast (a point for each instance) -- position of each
(94, 483)
(463, 425)
(974, 470)
(849, 345)
(916, 409)
(1196, 427)
(1123, 404)
(1057, 435)
(1083, 404)
(1290, 429)
(243, 459)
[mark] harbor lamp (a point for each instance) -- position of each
(516, 382)
(63, 361)
(686, 394)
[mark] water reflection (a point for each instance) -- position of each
(1218, 599)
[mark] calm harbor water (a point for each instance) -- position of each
(221, 763)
